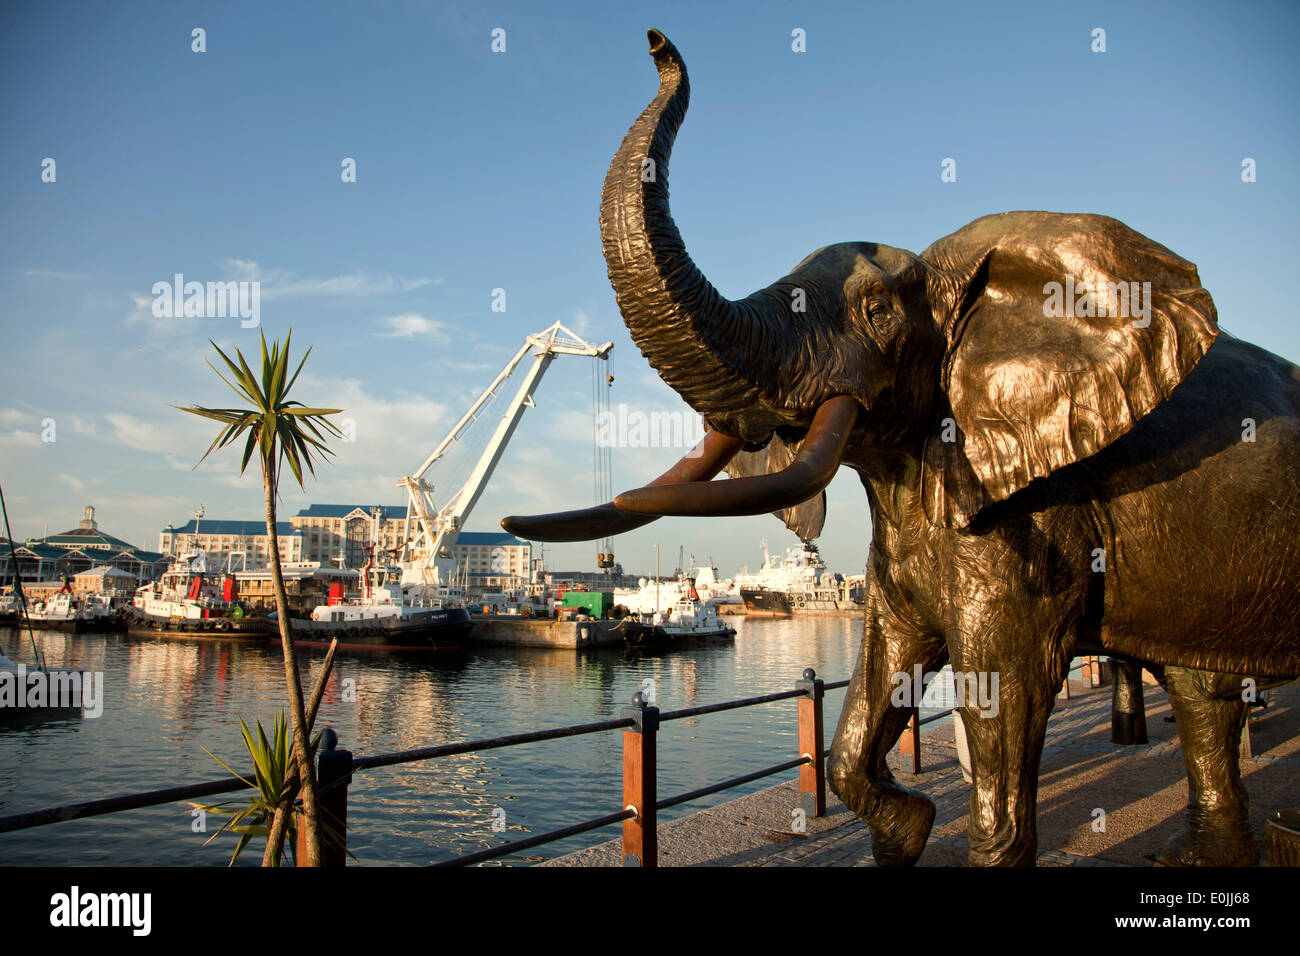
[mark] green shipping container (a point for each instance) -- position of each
(597, 603)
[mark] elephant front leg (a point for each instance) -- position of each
(900, 819)
(1209, 725)
(1005, 716)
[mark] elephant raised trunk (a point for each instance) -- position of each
(695, 338)
(749, 367)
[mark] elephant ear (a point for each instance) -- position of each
(804, 519)
(1039, 373)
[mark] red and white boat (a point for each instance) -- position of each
(185, 600)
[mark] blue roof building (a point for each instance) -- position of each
(338, 534)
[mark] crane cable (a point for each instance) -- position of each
(603, 438)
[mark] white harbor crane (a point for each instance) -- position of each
(427, 558)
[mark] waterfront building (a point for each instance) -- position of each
(107, 580)
(35, 563)
(65, 555)
(43, 590)
(219, 539)
(338, 535)
(493, 560)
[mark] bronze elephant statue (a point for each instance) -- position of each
(1062, 452)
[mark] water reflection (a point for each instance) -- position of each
(166, 699)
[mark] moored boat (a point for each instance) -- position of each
(65, 611)
(8, 606)
(763, 600)
(687, 620)
(29, 693)
(185, 601)
(800, 583)
(386, 616)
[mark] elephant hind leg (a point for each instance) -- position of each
(1210, 714)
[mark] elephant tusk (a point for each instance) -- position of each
(700, 464)
(810, 472)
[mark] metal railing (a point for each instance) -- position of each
(640, 724)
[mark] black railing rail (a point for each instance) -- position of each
(489, 743)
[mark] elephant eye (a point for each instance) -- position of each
(880, 312)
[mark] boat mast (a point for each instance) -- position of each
(656, 581)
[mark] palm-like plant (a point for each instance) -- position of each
(279, 431)
(272, 767)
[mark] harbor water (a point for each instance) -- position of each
(166, 699)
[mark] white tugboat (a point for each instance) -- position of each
(8, 606)
(687, 619)
(386, 616)
(185, 601)
(64, 611)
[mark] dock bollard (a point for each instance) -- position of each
(909, 744)
(1128, 715)
(1282, 838)
(640, 792)
(333, 775)
(812, 776)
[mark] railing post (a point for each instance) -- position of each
(1128, 716)
(333, 774)
(909, 745)
(640, 793)
(812, 776)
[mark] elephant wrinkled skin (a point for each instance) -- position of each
(1050, 472)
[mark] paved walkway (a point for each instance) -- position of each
(1142, 791)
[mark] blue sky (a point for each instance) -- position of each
(479, 170)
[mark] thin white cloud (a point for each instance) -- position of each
(133, 432)
(283, 283)
(81, 426)
(56, 274)
(169, 432)
(390, 431)
(76, 484)
(142, 311)
(412, 324)
(21, 439)
(277, 284)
